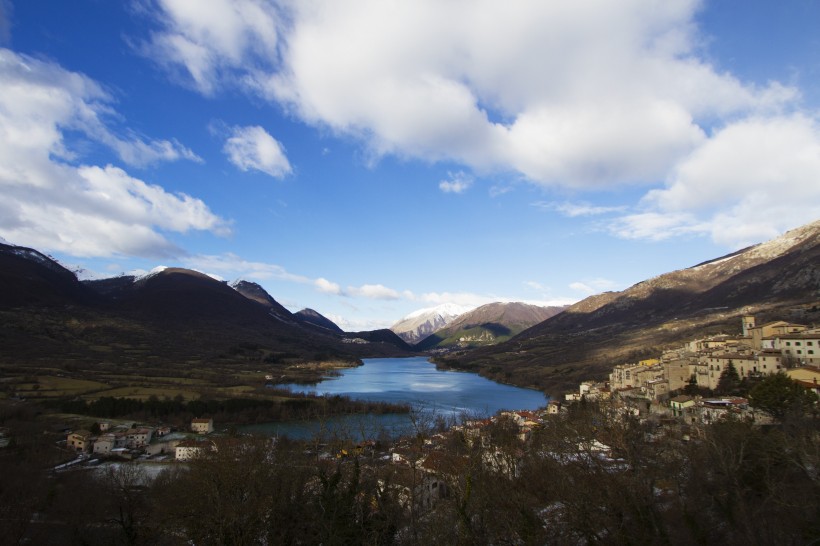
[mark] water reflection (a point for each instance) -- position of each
(433, 394)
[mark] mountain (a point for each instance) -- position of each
(488, 325)
(381, 336)
(317, 319)
(171, 319)
(29, 277)
(419, 324)
(777, 279)
(254, 292)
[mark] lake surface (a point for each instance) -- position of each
(432, 393)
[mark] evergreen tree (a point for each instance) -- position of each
(779, 395)
(729, 382)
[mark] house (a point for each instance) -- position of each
(136, 438)
(676, 372)
(189, 449)
(657, 389)
(202, 426)
(80, 440)
(710, 411)
(162, 431)
(802, 347)
(680, 404)
(769, 361)
(107, 443)
(772, 329)
(414, 489)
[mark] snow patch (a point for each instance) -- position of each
(141, 275)
(445, 309)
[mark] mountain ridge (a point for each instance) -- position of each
(491, 323)
(778, 278)
(419, 324)
(170, 319)
(317, 319)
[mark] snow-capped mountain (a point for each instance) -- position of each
(419, 324)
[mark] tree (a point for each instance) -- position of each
(779, 395)
(729, 381)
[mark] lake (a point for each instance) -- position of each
(432, 393)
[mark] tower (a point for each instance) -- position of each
(748, 324)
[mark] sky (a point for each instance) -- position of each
(367, 158)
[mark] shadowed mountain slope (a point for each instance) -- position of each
(29, 277)
(777, 279)
(173, 318)
(384, 335)
(317, 319)
(254, 292)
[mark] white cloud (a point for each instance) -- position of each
(374, 291)
(232, 266)
(52, 203)
(213, 42)
(753, 180)
(465, 299)
(576, 209)
(328, 287)
(253, 148)
(581, 94)
(456, 183)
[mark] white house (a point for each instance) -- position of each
(188, 449)
(202, 426)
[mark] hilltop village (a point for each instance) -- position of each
(674, 383)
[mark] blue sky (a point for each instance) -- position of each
(369, 158)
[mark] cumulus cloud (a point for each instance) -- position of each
(253, 148)
(326, 286)
(753, 180)
(374, 291)
(456, 182)
(53, 203)
(582, 95)
(205, 44)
